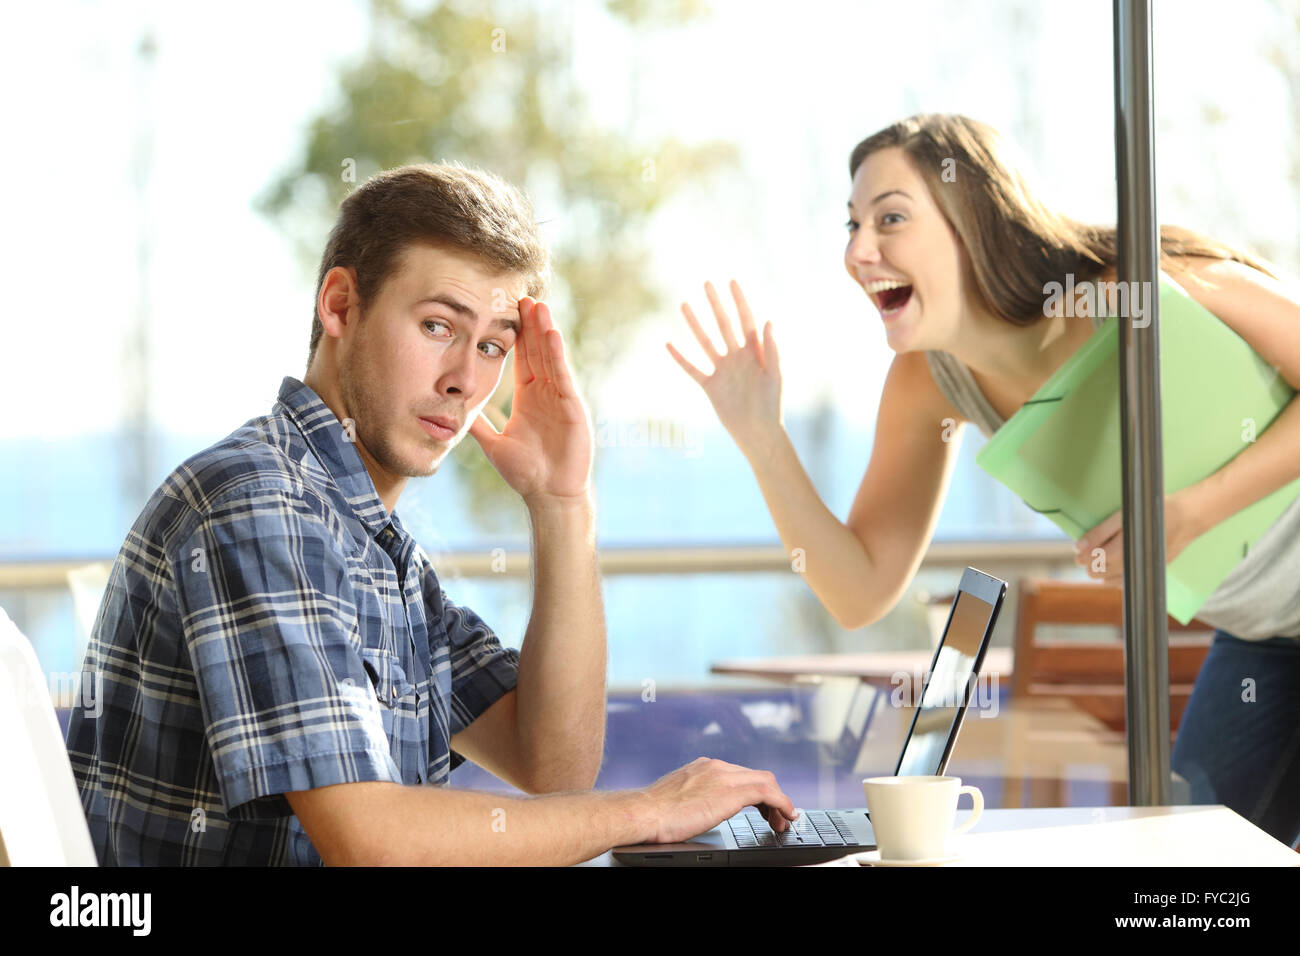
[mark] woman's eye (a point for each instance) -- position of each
(885, 218)
(850, 225)
(430, 322)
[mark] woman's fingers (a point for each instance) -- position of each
(691, 370)
(724, 320)
(746, 316)
(705, 342)
(771, 359)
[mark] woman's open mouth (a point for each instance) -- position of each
(889, 296)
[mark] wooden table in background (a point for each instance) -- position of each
(878, 668)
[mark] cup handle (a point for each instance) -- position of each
(978, 799)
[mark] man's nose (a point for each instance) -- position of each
(460, 371)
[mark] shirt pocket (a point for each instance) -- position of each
(387, 677)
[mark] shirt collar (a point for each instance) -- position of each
(328, 439)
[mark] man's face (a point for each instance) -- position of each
(432, 345)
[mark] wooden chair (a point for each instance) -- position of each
(1090, 674)
(1084, 677)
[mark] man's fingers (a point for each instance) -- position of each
(496, 417)
(776, 819)
(763, 792)
(564, 386)
(532, 367)
(523, 363)
(542, 316)
(483, 430)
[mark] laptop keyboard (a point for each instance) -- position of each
(813, 828)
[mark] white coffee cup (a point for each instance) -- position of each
(913, 816)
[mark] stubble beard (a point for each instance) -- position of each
(373, 428)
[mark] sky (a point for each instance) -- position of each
(232, 87)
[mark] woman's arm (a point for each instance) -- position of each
(1267, 316)
(1268, 463)
(861, 568)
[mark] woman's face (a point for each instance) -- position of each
(903, 253)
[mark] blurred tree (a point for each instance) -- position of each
(490, 85)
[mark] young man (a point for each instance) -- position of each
(282, 674)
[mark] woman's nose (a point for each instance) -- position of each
(863, 248)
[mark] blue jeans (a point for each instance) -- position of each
(1239, 740)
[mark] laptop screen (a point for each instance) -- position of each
(948, 687)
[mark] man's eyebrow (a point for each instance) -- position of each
(460, 308)
(888, 192)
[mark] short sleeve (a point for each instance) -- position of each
(482, 671)
(271, 627)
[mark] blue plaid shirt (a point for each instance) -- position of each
(268, 627)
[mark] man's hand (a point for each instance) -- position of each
(697, 797)
(545, 450)
(1181, 530)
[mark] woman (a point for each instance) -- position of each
(950, 244)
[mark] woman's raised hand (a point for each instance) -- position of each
(745, 387)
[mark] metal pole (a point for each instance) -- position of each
(1146, 653)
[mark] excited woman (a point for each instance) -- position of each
(949, 242)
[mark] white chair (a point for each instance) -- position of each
(41, 819)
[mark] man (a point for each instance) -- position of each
(283, 675)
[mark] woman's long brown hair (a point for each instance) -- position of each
(1014, 244)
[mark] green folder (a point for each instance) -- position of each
(1061, 451)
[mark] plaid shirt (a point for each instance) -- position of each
(268, 626)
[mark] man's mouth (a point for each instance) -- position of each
(440, 427)
(889, 295)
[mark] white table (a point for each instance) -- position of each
(1110, 836)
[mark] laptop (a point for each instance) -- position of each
(747, 839)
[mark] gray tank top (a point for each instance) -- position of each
(1259, 599)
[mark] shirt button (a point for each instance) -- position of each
(394, 694)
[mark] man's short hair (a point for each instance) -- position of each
(464, 210)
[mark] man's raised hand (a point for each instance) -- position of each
(545, 450)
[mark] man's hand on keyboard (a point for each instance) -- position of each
(697, 797)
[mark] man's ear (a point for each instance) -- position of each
(338, 297)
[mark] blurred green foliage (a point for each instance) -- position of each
(491, 85)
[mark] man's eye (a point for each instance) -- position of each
(499, 353)
(436, 322)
